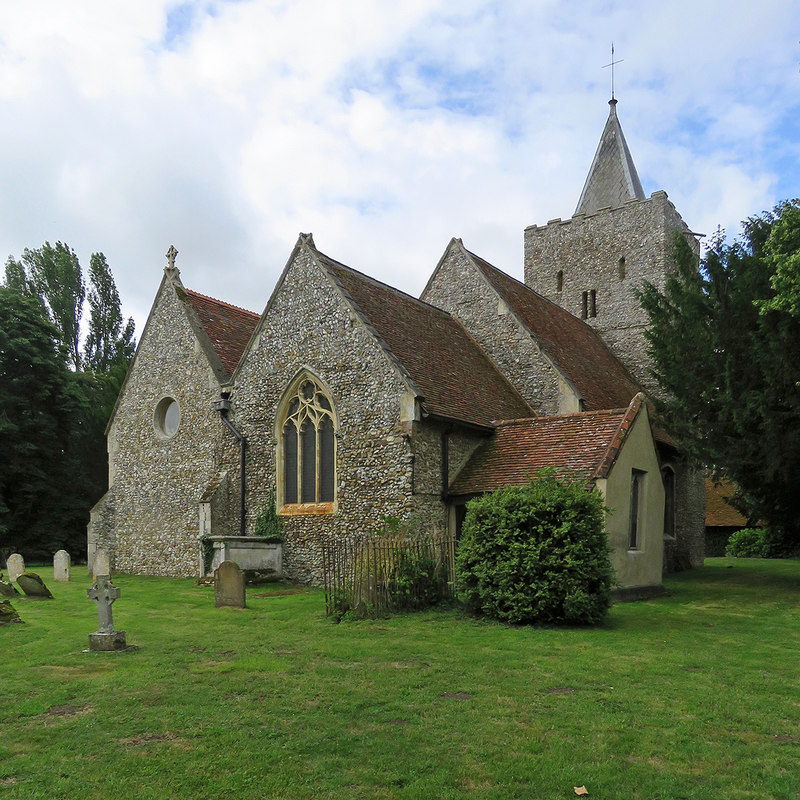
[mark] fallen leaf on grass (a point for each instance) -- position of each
(581, 791)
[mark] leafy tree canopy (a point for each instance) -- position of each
(40, 410)
(55, 400)
(725, 342)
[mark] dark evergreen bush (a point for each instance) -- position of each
(537, 553)
(757, 543)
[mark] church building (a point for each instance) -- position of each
(354, 402)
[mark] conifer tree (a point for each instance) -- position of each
(726, 349)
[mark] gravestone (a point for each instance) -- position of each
(229, 585)
(15, 565)
(102, 563)
(6, 589)
(8, 613)
(104, 593)
(33, 585)
(61, 565)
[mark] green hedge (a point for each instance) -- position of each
(757, 543)
(537, 553)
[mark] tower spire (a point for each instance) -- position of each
(612, 178)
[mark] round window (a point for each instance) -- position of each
(167, 417)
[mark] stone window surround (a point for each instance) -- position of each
(164, 417)
(636, 510)
(291, 392)
(668, 476)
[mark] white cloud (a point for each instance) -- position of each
(385, 128)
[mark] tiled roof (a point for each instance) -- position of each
(575, 348)
(585, 444)
(718, 512)
(612, 178)
(456, 378)
(228, 327)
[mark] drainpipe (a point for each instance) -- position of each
(223, 405)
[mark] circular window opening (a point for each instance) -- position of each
(168, 417)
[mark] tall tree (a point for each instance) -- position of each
(107, 342)
(54, 273)
(726, 349)
(41, 503)
(58, 460)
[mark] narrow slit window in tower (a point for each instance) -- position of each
(621, 268)
(560, 281)
(593, 303)
(585, 305)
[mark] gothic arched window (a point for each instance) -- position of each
(668, 474)
(307, 463)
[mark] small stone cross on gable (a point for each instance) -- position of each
(171, 270)
(104, 593)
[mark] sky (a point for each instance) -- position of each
(226, 128)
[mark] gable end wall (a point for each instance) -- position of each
(150, 516)
(459, 289)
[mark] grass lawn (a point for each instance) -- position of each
(694, 695)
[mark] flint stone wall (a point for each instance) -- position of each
(460, 289)
(588, 248)
(148, 520)
(310, 326)
(687, 548)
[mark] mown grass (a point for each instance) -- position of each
(694, 695)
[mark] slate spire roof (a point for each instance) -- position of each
(612, 178)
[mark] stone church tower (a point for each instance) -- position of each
(591, 265)
(616, 240)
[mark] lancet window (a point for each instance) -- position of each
(308, 448)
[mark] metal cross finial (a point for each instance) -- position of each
(612, 69)
(171, 256)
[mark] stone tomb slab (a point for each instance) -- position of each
(33, 585)
(15, 564)
(61, 565)
(8, 613)
(6, 589)
(229, 585)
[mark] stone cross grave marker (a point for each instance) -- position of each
(104, 593)
(229, 585)
(61, 565)
(16, 566)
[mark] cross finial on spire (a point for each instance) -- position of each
(613, 99)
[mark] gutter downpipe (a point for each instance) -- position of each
(224, 406)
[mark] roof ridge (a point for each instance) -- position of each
(561, 310)
(221, 302)
(383, 285)
(615, 445)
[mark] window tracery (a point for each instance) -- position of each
(308, 444)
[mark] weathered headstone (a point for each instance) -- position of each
(15, 564)
(8, 613)
(104, 593)
(229, 585)
(6, 589)
(102, 563)
(61, 565)
(33, 585)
